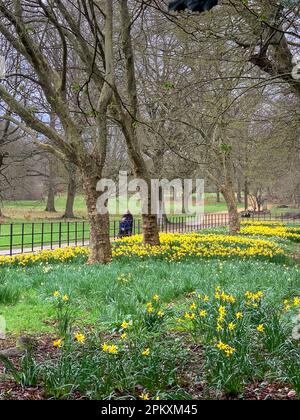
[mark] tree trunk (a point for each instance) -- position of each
(71, 194)
(162, 217)
(239, 192)
(50, 207)
(218, 196)
(246, 192)
(100, 246)
(234, 218)
(128, 116)
(150, 229)
(150, 223)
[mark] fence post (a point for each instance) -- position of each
(51, 235)
(11, 239)
(22, 238)
(83, 233)
(59, 235)
(68, 234)
(42, 236)
(32, 237)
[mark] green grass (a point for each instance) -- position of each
(25, 294)
(102, 297)
(25, 236)
(23, 210)
(277, 211)
(60, 203)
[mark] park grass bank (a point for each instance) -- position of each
(151, 327)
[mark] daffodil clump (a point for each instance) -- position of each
(153, 313)
(62, 255)
(235, 331)
(237, 339)
(220, 317)
(292, 306)
(132, 356)
(280, 231)
(175, 246)
(251, 222)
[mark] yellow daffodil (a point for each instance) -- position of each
(261, 328)
(150, 309)
(125, 325)
(57, 343)
(146, 352)
(219, 327)
(296, 301)
(113, 349)
(80, 338)
(226, 348)
(105, 347)
(231, 326)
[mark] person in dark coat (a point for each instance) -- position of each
(126, 224)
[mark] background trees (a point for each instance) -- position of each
(103, 85)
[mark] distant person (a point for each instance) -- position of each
(126, 225)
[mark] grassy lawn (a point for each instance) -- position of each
(159, 323)
(279, 211)
(22, 211)
(100, 296)
(34, 210)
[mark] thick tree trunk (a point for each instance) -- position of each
(71, 194)
(100, 246)
(150, 223)
(150, 229)
(234, 218)
(50, 207)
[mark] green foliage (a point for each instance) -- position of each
(127, 330)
